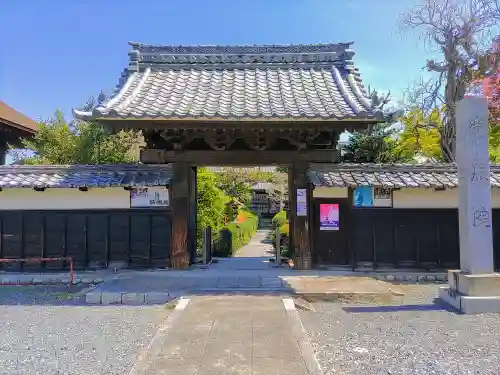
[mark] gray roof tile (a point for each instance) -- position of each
(240, 82)
(391, 175)
(74, 176)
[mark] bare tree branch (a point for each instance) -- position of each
(460, 30)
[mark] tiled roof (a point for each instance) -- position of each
(74, 176)
(391, 175)
(11, 117)
(239, 82)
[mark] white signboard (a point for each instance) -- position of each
(153, 196)
(301, 202)
(382, 197)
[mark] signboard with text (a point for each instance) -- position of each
(153, 196)
(301, 202)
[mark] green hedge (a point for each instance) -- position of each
(279, 219)
(236, 234)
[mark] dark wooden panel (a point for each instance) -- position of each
(449, 242)
(33, 239)
(361, 238)
(76, 239)
(12, 240)
(161, 231)
(97, 233)
(332, 246)
(119, 237)
(139, 240)
(496, 238)
(427, 240)
(55, 239)
(422, 238)
(405, 245)
(382, 235)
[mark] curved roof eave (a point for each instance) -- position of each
(16, 119)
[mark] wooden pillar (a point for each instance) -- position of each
(180, 203)
(301, 240)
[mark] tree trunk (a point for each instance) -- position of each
(448, 137)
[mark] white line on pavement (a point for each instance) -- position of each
(301, 337)
(147, 353)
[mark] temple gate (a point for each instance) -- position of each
(238, 105)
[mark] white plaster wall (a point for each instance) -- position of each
(430, 198)
(64, 199)
(412, 197)
(329, 192)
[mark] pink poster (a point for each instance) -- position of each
(329, 216)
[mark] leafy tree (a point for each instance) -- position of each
(490, 86)
(211, 205)
(78, 142)
(279, 192)
(419, 139)
(492, 90)
(375, 145)
(237, 182)
(454, 30)
(494, 143)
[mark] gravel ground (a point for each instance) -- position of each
(416, 337)
(46, 330)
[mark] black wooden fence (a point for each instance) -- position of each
(93, 238)
(420, 238)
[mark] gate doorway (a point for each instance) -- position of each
(238, 204)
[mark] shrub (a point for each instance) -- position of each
(211, 206)
(236, 233)
(279, 219)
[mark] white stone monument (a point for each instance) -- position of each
(475, 288)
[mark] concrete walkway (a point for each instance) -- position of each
(253, 256)
(259, 246)
(232, 335)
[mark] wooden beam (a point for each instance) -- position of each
(239, 158)
(115, 125)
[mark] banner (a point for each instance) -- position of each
(329, 217)
(155, 196)
(363, 196)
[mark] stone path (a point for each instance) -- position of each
(259, 246)
(232, 335)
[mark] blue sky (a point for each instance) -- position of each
(56, 53)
